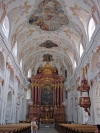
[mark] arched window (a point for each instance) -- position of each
(91, 28)
(28, 94)
(74, 64)
(81, 49)
(65, 73)
(21, 63)
(15, 49)
(29, 73)
(5, 26)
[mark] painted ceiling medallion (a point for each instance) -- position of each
(49, 16)
(47, 57)
(48, 44)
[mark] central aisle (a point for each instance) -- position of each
(47, 130)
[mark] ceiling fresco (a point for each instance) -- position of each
(49, 16)
(48, 44)
(48, 58)
(54, 27)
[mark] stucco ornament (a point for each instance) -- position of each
(18, 101)
(29, 102)
(65, 103)
(98, 112)
(97, 90)
(98, 62)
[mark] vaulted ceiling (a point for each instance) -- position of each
(62, 22)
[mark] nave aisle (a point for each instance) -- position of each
(47, 130)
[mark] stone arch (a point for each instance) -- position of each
(94, 61)
(2, 63)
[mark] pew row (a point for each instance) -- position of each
(15, 128)
(75, 128)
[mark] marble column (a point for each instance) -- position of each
(35, 95)
(38, 95)
(55, 95)
(58, 95)
(61, 94)
(32, 93)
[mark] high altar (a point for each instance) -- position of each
(47, 96)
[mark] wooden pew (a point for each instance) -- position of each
(15, 128)
(75, 128)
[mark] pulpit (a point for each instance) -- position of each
(47, 96)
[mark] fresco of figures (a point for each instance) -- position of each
(48, 57)
(48, 44)
(49, 16)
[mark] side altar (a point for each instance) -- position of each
(47, 96)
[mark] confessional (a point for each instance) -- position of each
(47, 96)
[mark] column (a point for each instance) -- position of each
(32, 93)
(1, 98)
(58, 95)
(13, 108)
(6, 77)
(35, 95)
(38, 95)
(61, 94)
(55, 94)
(24, 104)
(16, 89)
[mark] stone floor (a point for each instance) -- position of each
(47, 130)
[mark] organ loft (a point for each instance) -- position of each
(47, 96)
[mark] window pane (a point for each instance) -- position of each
(81, 50)
(91, 28)
(21, 63)
(15, 49)
(5, 26)
(29, 73)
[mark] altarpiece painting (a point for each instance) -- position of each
(46, 95)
